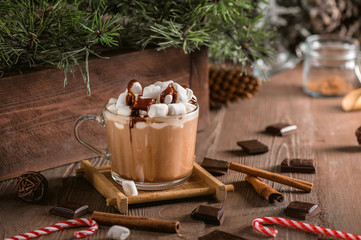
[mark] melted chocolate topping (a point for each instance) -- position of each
(143, 103)
(169, 91)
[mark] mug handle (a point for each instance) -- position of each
(100, 119)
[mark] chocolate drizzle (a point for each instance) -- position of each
(170, 90)
(135, 104)
(143, 103)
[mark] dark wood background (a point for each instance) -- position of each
(326, 135)
(37, 113)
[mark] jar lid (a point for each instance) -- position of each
(332, 47)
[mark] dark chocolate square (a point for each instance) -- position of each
(70, 210)
(215, 167)
(298, 166)
(282, 129)
(220, 235)
(253, 146)
(208, 214)
(301, 210)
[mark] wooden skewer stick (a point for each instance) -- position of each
(299, 184)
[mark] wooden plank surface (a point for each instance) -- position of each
(326, 134)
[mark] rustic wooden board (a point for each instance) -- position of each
(327, 135)
(37, 112)
(200, 183)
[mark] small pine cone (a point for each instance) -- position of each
(230, 84)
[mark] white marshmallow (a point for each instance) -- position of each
(189, 94)
(181, 93)
(158, 110)
(124, 110)
(118, 232)
(136, 88)
(190, 107)
(158, 125)
(112, 108)
(151, 91)
(176, 109)
(121, 100)
(164, 85)
(168, 99)
(143, 113)
(129, 188)
(119, 125)
(112, 101)
(140, 125)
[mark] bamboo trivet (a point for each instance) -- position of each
(200, 183)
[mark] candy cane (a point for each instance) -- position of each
(61, 225)
(257, 225)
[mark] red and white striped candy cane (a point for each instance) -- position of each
(61, 225)
(257, 225)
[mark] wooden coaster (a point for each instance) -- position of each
(200, 183)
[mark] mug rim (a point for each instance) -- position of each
(164, 117)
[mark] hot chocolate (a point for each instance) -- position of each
(151, 134)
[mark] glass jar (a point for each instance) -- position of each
(331, 66)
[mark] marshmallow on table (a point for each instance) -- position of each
(176, 109)
(118, 232)
(136, 88)
(129, 188)
(158, 110)
(152, 91)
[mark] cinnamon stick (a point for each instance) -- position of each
(296, 183)
(264, 190)
(140, 223)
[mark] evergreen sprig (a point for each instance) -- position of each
(35, 33)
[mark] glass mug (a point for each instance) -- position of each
(156, 153)
(331, 66)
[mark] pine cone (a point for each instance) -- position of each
(230, 84)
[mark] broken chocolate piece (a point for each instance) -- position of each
(70, 210)
(215, 167)
(208, 214)
(301, 210)
(298, 166)
(358, 135)
(282, 129)
(253, 146)
(220, 235)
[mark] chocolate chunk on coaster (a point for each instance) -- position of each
(208, 214)
(298, 166)
(220, 235)
(281, 129)
(253, 146)
(301, 210)
(70, 210)
(215, 167)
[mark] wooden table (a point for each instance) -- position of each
(326, 135)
